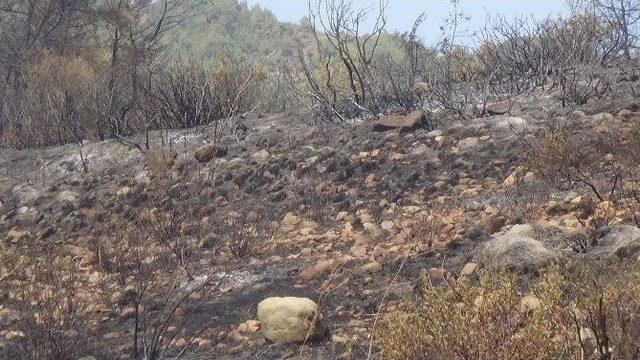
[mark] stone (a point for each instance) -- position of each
(68, 197)
(511, 122)
(289, 319)
(208, 152)
(625, 113)
(529, 177)
(440, 185)
(249, 327)
(124, 191)
(320, 268)
(469, 269)
(577, 115)
(15, 235)
(618, 242)
(467, 144)
(371, 180)
(371, 268)
(143, 178)
(501, 107)
(519, 249)
(511, 180)
(260, 157)
(128, 312)
(412, 121)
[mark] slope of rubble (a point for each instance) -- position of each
(350, 217)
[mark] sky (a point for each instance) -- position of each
(401, 13)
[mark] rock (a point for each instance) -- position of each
(624, 113)
(124, 191)
(440, 185)
(16, 235)
(511, 180)
(370, 181)
(577, 115)
(511, 122)
(412, 121)
(421, 88)
(249, 327)
(529, 177)
(208, 152)
(27, 195)
(501, 107)
(289, 221)
(618, 242)
(467, 144)
(371, 268)
(320, 268)
(143, 178)
(128, 312)
(289, 319)
(260, 157)
(469, 269)
(602, 118)
(68, 197)
(519, 249)
(87, 358)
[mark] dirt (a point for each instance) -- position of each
(359, 197)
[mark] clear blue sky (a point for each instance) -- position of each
(401, 13)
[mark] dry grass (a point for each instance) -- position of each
(572, 313)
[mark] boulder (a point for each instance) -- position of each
(511, 122)
(289, 319)
(261, 157)
(409, 122)
(618, 242)
(519, 249)
(208, 152)
(501, 107)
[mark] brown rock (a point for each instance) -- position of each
(371, 268)
(469, 269)
(208, 152)
(510, 181)
(249, 327)
(409, 122)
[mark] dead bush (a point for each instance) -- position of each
(58, 310)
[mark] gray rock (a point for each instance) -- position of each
(519, 249)
(618, 242)
(27, 195)
(143, 178)
(261, 157)
(510, 122)
(67, 196)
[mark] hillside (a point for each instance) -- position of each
(196, 180)
(351, 220)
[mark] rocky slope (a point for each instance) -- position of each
(348, 217)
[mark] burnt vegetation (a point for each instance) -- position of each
(146, 264)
